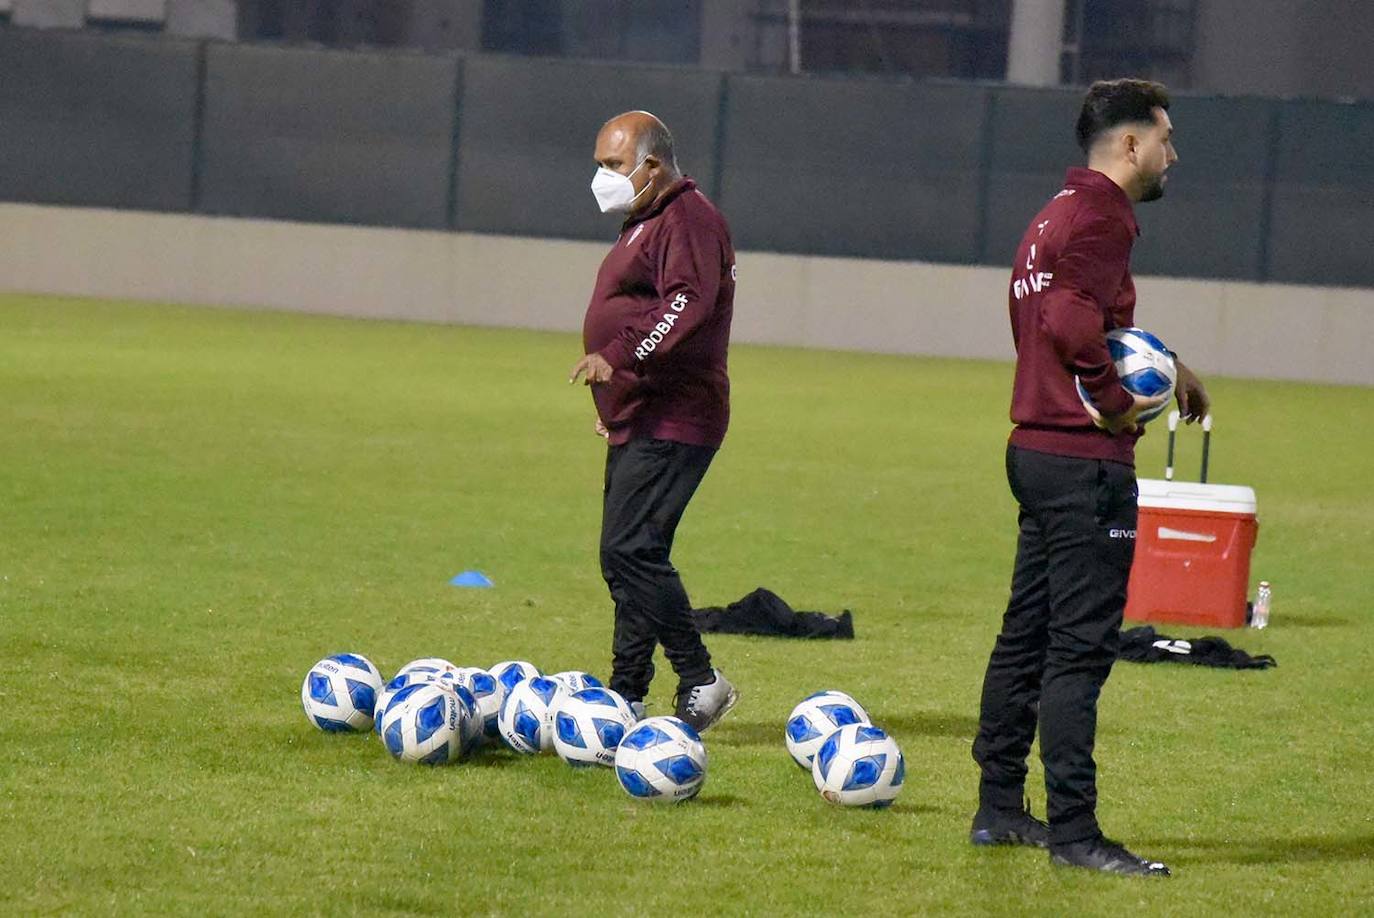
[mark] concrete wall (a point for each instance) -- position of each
(1221, 327)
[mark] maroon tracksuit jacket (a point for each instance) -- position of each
(1071, 283)
(660, 316)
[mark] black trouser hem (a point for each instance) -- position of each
(647, 488)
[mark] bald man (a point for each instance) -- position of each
(656, 334)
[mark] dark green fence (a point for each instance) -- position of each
(1265, 189)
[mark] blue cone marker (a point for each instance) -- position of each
(471, 579)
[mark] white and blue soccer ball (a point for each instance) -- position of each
(400, 680)
(575, 680)
(509, 672)
(817, 717)
(526, 718)
(339, 693)
(473, 726)
(1145, 365)
(433, 668)
(384, 697)
(588, 726)
(487, 693)
(430, 723)
(859, 765)
(661, 759)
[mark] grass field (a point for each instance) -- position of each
(195, 505)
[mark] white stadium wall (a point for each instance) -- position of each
(1319, 334)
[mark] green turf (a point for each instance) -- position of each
(195, 505)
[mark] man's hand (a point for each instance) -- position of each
(1125, 421)
(601, 430)
(596, 368)
(1193, 403)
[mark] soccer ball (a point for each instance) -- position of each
(526, 718)
(384, 697)
(859, 765)
(339, 693)
(430, 667)
(473, 726)
(589, 725)
(662, 759)
(430, 723)
(509, 672)
(817, 717)
(575, 680)
(1145, 366)
(487, 692)
(400, 681)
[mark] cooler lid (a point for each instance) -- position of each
(1191, 495)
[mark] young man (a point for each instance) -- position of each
(656, 335)
(1072, 472)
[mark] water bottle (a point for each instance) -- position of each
(1259, 614)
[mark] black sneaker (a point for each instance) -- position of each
(1105, 855)
(993, 828)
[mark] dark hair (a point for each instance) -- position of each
(1113, 102)
(656, 140)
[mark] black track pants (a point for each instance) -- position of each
(1059, 634)
(648, 486)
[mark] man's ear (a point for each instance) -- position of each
(1130, 145)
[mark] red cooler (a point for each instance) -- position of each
(1192, 552)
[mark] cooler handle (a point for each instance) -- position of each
(1206, 444)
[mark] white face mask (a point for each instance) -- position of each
(615, 193)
